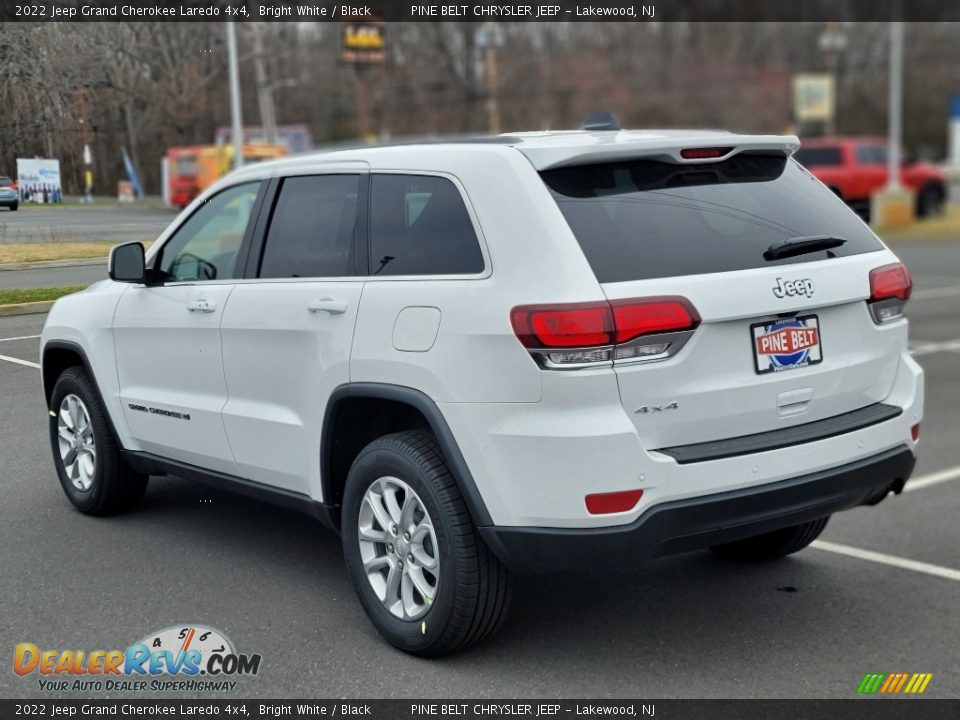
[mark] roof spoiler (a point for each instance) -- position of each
(666, 148)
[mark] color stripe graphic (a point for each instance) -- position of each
(894, 683)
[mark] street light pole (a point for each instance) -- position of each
(895, 109)
(235, 111)
(268, 115)
(893, 205)
(489, 37)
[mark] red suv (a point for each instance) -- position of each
(855, 167)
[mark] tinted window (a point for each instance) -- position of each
(872, 154)
(420, 226)
(5, 181)
(205, 247)
(313, 227)
(647, 219)
(811, 157)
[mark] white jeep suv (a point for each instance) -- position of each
(529, 353)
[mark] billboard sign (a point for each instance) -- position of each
(813, 97)
(363, 42)
(294, 137)
(39, 180)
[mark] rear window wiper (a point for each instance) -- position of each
(801, 246)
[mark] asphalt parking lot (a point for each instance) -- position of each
(880, 593)
(107, 222)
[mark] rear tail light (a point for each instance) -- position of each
(915, 432)
(704, 153)
(582, 325)
(890, 288)
(612, 502)
(584, 334)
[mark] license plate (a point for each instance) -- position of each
(786, 344)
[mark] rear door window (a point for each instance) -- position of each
(643, 219)
(819, 156)
(419, 225)
(872, 154)
(313, 228)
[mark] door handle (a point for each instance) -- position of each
(327, 305)
(202, 305)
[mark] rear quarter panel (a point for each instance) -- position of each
(531, 257)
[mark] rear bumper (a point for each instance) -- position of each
(693, 523)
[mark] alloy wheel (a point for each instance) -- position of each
(398, 547)
(78, 447)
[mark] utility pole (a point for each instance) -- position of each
(235, 110)
(833, 41)
(363, 105)
(493, 106)
(895, 106)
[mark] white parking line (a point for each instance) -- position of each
(891, 560)
(932, 479)
(931, 293)
(18, 361)
(926, 348)
(925, 481)
(942, 279)
(22, 337)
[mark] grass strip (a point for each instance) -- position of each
(13, 297)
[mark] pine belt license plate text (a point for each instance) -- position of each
(786, 344)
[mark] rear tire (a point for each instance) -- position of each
(774, 545)
(92, 471)
(470, 589)
(13, 208)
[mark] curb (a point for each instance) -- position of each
(53, 264)
(29, 308)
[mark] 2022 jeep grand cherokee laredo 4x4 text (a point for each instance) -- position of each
(546, 351)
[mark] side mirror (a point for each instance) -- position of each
(126, 263)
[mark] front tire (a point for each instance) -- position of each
(773, 545)
(94, 476)
(425, 578)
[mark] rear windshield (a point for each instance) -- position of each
(645, 219)
(5, 181)
(818, 156)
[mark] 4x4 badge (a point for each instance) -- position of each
(644, 409)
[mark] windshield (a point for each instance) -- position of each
(644, 219)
